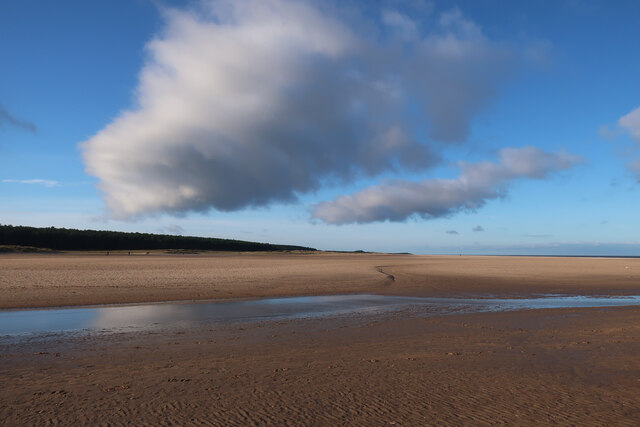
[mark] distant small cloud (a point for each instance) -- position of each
(172, 229)
(609, 133)
(603, 222)
(478, 228)
(44, 182)
(7, 118)
(451, 232)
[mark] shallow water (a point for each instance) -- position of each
(150, 316)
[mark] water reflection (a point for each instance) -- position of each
(132, 316)
(149, 316)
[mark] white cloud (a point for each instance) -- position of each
(45, 182)
(402, 24)
(249, 102)
(631, 124)
(478, 183)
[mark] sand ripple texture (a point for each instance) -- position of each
(543, 367)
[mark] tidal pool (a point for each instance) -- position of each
(149, 316)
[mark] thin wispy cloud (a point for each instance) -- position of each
(634, 167)
(609, 133)
(477, 228)
(7, 119)
(630, 124)
(435, 198)
(246, 103)
(43, 182)
(405, 27)
(451, 232)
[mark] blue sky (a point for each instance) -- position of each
(387, 126)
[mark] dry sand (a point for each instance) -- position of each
(536, 367)
(68, 279)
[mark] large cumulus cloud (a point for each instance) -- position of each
(476, 184)
(249, 102)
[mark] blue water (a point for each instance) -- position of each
(149, 316)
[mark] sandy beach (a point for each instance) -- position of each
(573, 366)
(71, 279)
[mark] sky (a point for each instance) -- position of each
(430, 127)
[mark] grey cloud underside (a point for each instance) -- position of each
(250, 102)
(478, 183)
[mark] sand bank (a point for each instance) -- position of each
(70, 279)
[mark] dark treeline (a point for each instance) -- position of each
(92, 240)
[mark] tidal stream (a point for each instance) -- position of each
(138, 317)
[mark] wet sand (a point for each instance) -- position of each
(531, 367)
(537, 367)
